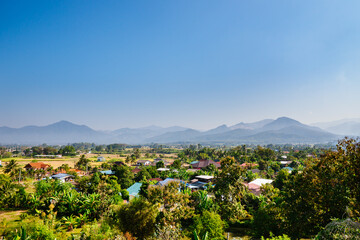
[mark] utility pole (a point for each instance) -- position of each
(19, 175)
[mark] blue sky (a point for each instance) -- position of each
(200, 64)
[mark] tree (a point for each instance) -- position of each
(36, 151)
(124, 176)
(82, 163)
(250, 176)
(67, 151)
(339, 230)
(137, 153)
(201, 201)
(323, 191)
(229, 190)
(176, 164)
(138, 218)
(49, 150)
(11, 166)
(143, 175)
(175, 204)
(281, 179)
(265, 156)
(211, 223)
(160, 164)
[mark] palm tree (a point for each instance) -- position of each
(6, 189)
(10, 166)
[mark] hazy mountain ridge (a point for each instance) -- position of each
(62, 132)
(253, 125)
(281, 130)
(348, 127)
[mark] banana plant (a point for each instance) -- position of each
(70, 222)
(82, 219)
(22, 235)
(197, 236)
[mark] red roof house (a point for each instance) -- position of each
(37, 165)
(204, 163)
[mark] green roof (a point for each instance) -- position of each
(134, 189)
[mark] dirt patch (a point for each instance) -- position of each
(11, 215)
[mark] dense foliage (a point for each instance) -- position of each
(318, 198)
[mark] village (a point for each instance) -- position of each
(177, 183)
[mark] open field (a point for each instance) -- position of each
(10, 219)
(71, 161)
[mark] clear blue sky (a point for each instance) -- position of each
(113, 64)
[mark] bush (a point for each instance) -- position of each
(211, 223)
(283, 237)
(124, 194)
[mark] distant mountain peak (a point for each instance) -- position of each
(286, 119)
(62, 122)
(152, 127)
(253, 125)
(282, 122)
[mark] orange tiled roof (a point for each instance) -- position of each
(37, 165)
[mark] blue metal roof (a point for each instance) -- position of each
(61, 175)
(107, 172)
(134, 189)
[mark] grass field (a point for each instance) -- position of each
(57, 162)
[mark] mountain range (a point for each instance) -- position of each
(279, 131)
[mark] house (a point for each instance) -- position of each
(195, 185)
(107, 172)
(135, 170)
(255, 186)
(155, 179)
(100, 159)
(261, 181)
(163, 169)
(37, 166)
(168, 180)
(143, 163)
(283, 163)
(134, 190)
(63, 177)
(153, 163)
(289, 169)
(78, 172)
(204, 178)
(166, 169)
(204, 163)
(48, 156)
